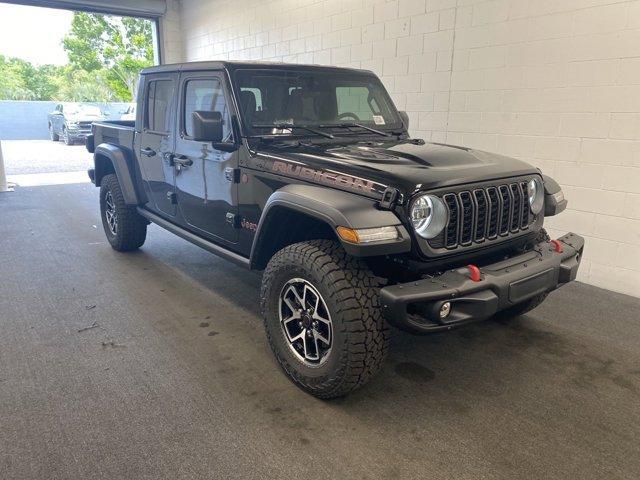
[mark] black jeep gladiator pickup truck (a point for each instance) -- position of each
(309, 173)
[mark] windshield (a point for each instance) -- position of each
(313, 98)
(89, 110)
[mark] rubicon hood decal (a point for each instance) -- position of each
(333, 178)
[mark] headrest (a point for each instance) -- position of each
(248, 101)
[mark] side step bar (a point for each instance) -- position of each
(190, 237)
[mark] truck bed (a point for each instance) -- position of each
(116, 132)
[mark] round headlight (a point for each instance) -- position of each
(428, 216)
(536, 195)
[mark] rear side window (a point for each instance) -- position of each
(159, 96)
(205, 95)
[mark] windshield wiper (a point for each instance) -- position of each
(289, 126)
(352, 124)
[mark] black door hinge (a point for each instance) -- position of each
(232, 174)
(234, 220)
(389, 198)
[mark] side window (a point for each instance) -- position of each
(159, 96)
(205, 95)
(356, 100)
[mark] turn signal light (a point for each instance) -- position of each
(348, 234)
(367, 235)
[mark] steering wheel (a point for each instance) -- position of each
(352, 115)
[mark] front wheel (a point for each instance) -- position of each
(322, 317)
(125, 228)
(66, 138)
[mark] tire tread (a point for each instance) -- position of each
(132, 227)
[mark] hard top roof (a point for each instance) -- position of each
(236, 65)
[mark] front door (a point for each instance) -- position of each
(156, 142)
(203, 174)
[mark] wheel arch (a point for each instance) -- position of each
(297, 213)
(113, 159)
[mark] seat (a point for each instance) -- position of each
(248, 105)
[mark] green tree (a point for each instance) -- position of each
(75, 85)
(12, 85)
(20, 80)
(120, 46)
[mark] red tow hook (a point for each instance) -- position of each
(474, 273)
(557, 245)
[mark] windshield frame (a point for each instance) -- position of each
(336, 129)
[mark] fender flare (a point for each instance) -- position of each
(554, 201)
(118, 157)
(335, 208)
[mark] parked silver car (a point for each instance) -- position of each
(72, 121)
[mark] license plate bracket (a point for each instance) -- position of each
(528, 287)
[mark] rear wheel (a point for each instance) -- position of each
(124, 227)
(322, 317)
(52, 135)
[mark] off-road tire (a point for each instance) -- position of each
(533, 302)
(53, 136)
(350, 290)
(131, 230)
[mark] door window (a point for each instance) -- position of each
(205, 95)
(159, 96)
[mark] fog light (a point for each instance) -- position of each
(445, 309)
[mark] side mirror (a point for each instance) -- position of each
(207, 126)
(405, 119)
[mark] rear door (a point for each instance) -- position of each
(156, 141)
(204, 175)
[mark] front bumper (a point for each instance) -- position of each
(416, 305)
(78, 134)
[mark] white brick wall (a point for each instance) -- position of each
(554, 82)
(172, 37)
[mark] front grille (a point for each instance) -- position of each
(486, 213)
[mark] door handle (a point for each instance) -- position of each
(149, 152)
(181, 160)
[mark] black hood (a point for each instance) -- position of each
(401, 164)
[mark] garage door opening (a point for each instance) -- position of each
(67, 70)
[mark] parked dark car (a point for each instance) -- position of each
(72, 121)
(309, 174)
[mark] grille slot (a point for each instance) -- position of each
(484, 214)
(480, 197)
(467, 218)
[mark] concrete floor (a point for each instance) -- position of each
(23, 157)
(176, 380)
